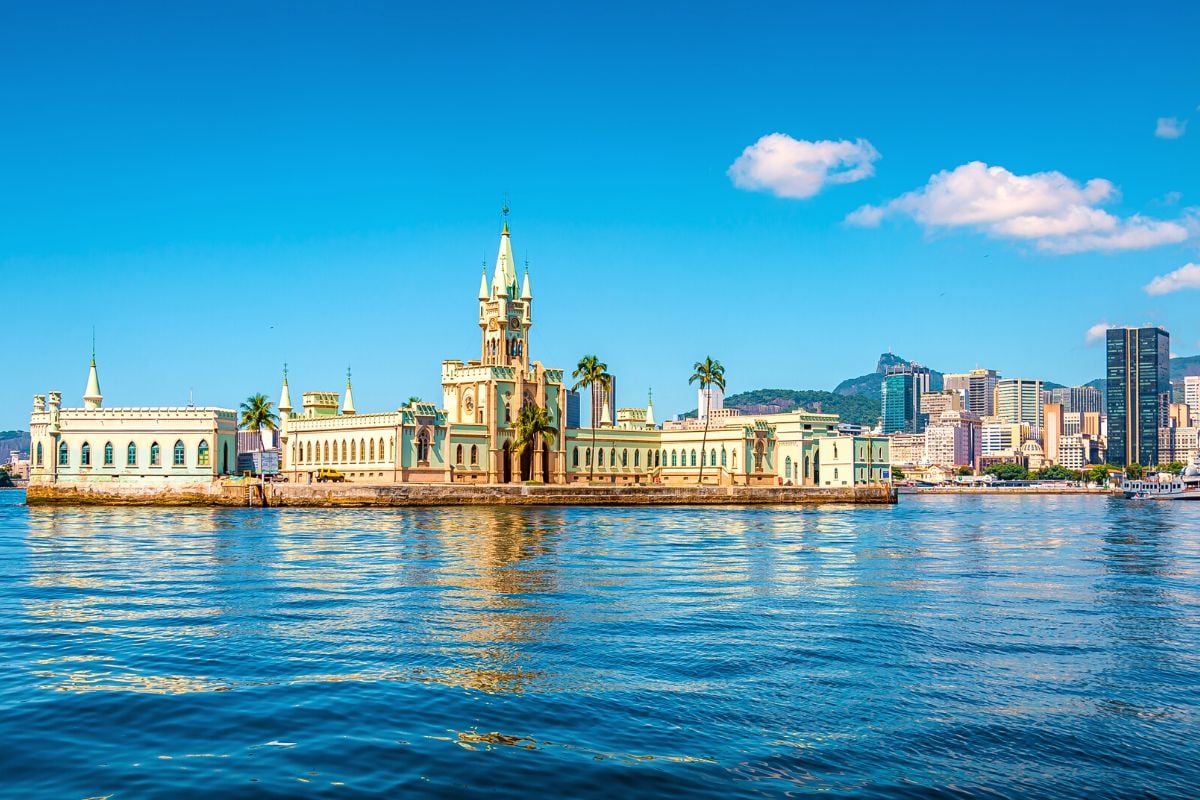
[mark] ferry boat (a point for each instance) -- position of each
(1165, 487)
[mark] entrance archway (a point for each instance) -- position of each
(545, 463)
(527, 464)
(505, 464)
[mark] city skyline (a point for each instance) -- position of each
(318, 192)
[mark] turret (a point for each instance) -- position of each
(483, 288)
(650, 410)
(348, 404)
(526, 295)
(285, 403)
(92, 399)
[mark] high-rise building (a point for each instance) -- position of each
(1191, 395)
(709, 400)
(1052, 430)
(1139, 391)
(953, 439)
(1091, 424)
(977, 387)
(606, 396)
(1020, 400)
(1076, 398)
(572, 409)
(934, 403)
(1178, 415)
(900, 399)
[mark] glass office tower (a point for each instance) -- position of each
(1139, 393)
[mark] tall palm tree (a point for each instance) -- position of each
(412, 401)
(592, 373)
(533, 428)
(709, 373)
(258, 414)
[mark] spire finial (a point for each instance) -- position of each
(651, 395)
(347, 376)
(504, 212)
(285, 370)
(93, 345)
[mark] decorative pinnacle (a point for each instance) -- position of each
(347, 376)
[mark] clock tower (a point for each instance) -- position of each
(505, 311)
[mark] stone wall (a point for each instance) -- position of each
(239, 493)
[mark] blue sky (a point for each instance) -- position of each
(220, 189)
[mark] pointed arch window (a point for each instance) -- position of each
(326, 453)
(155, 455)
(787, 467)
(612, 456)
(673, 459)
(693, 458)
(85, 455)
(202, 457)
(600, 457)
(636, 458)
(735, 460)
(372, 450)
(353, 451)
(475, 455)
(362, 450)
(587, 457)
(64, 454)
(131, 455)
(724, 460)
(308, 453)
(423, 446)
(344, 461)
(39, 454)
(712, 457)
(574, 456)
(178, 454)
(108, 454)
(625, 457)
(703, 458)
(458, 455)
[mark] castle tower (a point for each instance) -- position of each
(505, 311)
(285, 401)
(92, 399)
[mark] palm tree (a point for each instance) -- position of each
(257, 414)
(533, 428)
(592, 373)
(709, 373)
(412, 401)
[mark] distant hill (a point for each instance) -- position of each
(851, 408)
(871, 384)
(13, 440)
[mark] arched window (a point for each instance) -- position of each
(308, 452)
(177, 457)
(391, 448)
(423, 446)
(155, 455)
(656, 455)
(600, 458)
(636, 454)
(723, 454)
(574, 456)
(131, 455)
(587, 457)
(362, 450)
(787, 467)
(372, 448)
(202, 459)
(673, 458)
(712, 457)
(835, 475)
(108, 454)
(353, 451)
(835, 452)
(64, 454)
(734, 466)
(458, 455)
(326, 453)
(85, 455)
(625, 457)
(693, 458)
(475, 454)
(807, 467)
(39, 454)
(612, 457)
(344, 461)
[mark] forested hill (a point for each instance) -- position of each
(851, 408)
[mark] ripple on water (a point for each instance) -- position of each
(946, 647)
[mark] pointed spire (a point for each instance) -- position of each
(650, 423)
(605, 415)
(285, 397)
(505, 280)
(483, 290)
(525, 293)
(92, 399)
(348, 403)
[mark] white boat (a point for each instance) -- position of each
(1165, 486)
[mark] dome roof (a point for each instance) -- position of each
(1192, 471)
(1031, 448)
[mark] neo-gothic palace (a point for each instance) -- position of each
(468, 439)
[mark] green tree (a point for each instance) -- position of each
(1054, 472)
(258, 414)
(6, 481)
(964, 470)
(1175, 467)
(533, 428)
(1098, 474)
(412, 401)
(1007, 472)
(1134, 471)
(897, 474)
(592, 373)
(709, 373)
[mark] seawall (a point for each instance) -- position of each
(394, 495)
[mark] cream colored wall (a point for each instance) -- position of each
(143, 427)
(366, 431)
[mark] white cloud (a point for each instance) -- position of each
(1096, 333)
(1170, 128)
(795, 168)
(1049, 209)
(1186, 277)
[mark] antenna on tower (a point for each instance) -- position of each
(93, 344)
